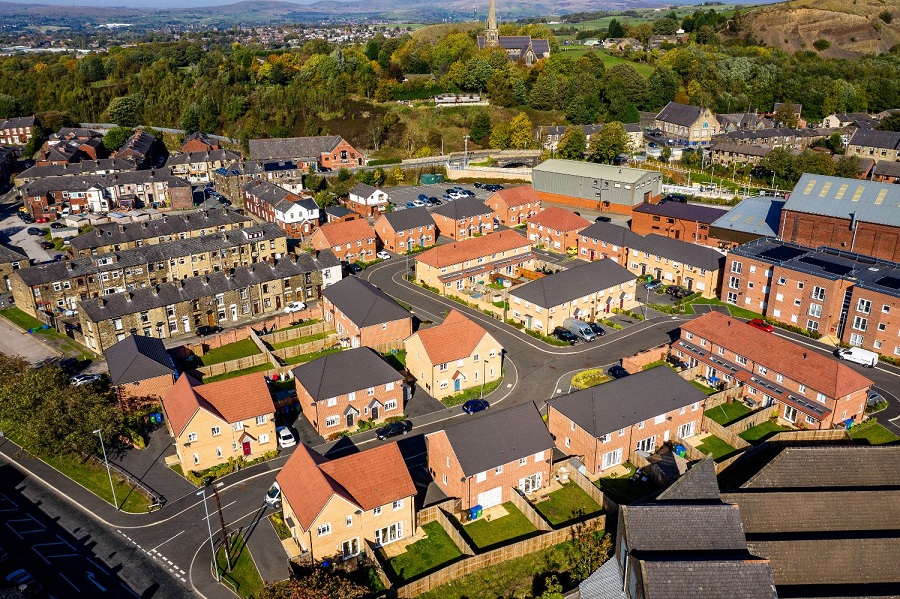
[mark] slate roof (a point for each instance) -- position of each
(610, 233)
(16, 122)
(755, 215)
(344, 372)
(78, 133)
(559, 219)
(693, 212)
(472, 248)
(693, 254)
(870, 201)
(744, 149)
(779, 132)
(573, 283)
(698, 484)
(679, 114)
(363, 303)
(363, 190)
(293, 147)
(454, 339)
(276, 196)
(45, 185)
(341, 211)
(835, 561)
(139, 144)
(85, 167)
(9, 254)
(709, 579)
(136, 358)
(463, 208)
(872, 138)
(207, 156)
(232, 400)
(111, 234)
(683, 528)
(498, 437)
(621, 403)
(404, 220)
(853, 467)
(887, 168)
(604, 583)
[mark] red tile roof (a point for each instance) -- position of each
(472, 248)
(516, 196)
(347, 231)
(820, 373)
(453, 339)
(232, 400)
(367, 479)
(559, 219)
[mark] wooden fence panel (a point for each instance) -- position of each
(753, 419)
(584, 483)
(304, 348)
(536, 519)
(723, 433)
(291, 334)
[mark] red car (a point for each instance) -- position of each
(761, 324)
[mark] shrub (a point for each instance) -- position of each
(821, 44)
(886, 16)
(793, 329)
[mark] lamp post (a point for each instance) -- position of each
(465, 152)
(483, 371)
(108, 472)
(212, 547)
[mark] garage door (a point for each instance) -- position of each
(490, 498)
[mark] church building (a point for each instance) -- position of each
(518, 47)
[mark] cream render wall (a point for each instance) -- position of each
(206, 445)
(439, 382)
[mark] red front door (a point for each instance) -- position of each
(246, 447)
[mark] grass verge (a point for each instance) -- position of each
(871, 432)
(590, 378)
(473, 393)
(243, 576)
(734, 310)
(566, 504)
(425, 555)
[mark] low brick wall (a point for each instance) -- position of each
(534, 516)
(277, 321)
(636, 362)
(723, 433)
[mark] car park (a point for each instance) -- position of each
(434, 201)
(654, 284)
(410, 204)
(418, 203)
(565, 335)
(285, 437)
(294, 307)
(761, 324)
(204, 330)
(35, 231)
(473, 406)
(598, 330)
(383, 255)
(393, 429)
(478, 185)
(617, 372)
(273, 495)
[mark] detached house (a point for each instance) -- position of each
(605, 425)
(365, 314)
(456, 355)
(556, 229)
(339, 390)
(463, 218)
(515, 205)
(321, 153)
(350, 240)
(479, 460)
(17, 131)
(405, 230)
(297, 216)
(366, 200)
(687, 125)
(212, 423)
(140, 370)
(334, 507)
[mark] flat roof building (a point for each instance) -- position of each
(595, 186)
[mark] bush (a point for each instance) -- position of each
(821, 44)
(628, 313)
(793, 329)
(886, 16)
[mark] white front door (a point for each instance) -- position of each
(490, 498)
(686, 430)
(532, 483)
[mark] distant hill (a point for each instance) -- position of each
(852, 27)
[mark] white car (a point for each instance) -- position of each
(285, 437)
(418, 203)
(84, 379)
(273, 495)
(294, 307)
(383, 255)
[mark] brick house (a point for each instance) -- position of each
(104, 166)
(878, 145)
(197, 167)
(296, 215)
(584, 292)
(18, 131)
(332, 510)
(462, 264)
(335, 214)
(605, 425)
(463, 218)
(350, 240)
(514, 205)
(675, 262)
(338, 391)
(321, 153)
(212, 423)
(140, 370)
(687, 125)
(605, 240)
(456, 355)
(688, 222)
(144, 150)
(71, 151)
(365, 314)
(199, 142)
(230, 180)
(11, 260)
(366, 200)
(727, 153)
(811, 390)
(480, 460)
(404, 230)
(556, 229)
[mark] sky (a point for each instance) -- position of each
(142, 3)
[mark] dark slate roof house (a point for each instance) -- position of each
(363, 303)
(344, 372)
(573, 283)
(136, 358)
(679, 114)
(462, 208)
(679, 251)
(404, 220)
(293, 148)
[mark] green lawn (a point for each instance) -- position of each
(235, 373)
(94, 478)
(244, 576)
(568, 503)
(761, 432)
(430, 553)
(397, 359)
(623, 490)
(735, 311)
(232, 351)
(21, 319)
(727, 413)
(656, 364)
(590, 378)
(704, 388)
(483, 533)
(305, 323)
(301, 340)
(716, 446)
(473, 393)
(871, 432)
(304, 358)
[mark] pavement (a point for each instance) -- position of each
(15, 342)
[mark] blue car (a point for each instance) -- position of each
(475, 405)
(410, 205)
(423, 197)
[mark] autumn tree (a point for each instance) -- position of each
(786, 115)
(520, 131)
(589, 548)
(123, 111)
(611, 141)
(480, 129)
(318, 584)
(572, 145)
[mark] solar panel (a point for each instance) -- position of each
(781, 253)
(832, 267)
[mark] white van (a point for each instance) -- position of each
(858, 355)
(579, 328)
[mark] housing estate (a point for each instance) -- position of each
(231, 179)
(605, 240)
(365, 315)
(514, 205)
(216, 422)
(366, 200)
(197, 167)
(809, 389)
(482, 460)
(595, 186)
(754, 217)
(144, 150)
(777, 137)
(456, 355)
(322, 153)
(298, 216)
(350, 240)
(463, 218)
(405, 230)
(337, 391)
(332, 511)
(584, 292)
(17, 131)
(140, 370)
(675, 262)
(556, 229)
(687, 125)
(689, 222)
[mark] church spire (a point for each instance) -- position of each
(491, 38)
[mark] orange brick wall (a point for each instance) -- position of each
(601, 249)
(549, 238)
(582, 203)
(318, 412)
(483, 223)
(361, 249)
(138, 394)
(685, 230)
(512, 216)
(395, 242)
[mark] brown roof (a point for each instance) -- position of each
(474, 247)
(515, 196)
(818, 372)
(559, 219)
(347, 231)
(367, 479)
(453, 339)
(231, 400)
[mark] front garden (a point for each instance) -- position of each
(472, 393)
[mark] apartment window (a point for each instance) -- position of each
(734, 283)
(812, 325)
(659, 419)
(820, 397)
(818, 293)
(882, 326)
(886, 309)
(397, 505)
(782, 280)
(323, 529)
(799, 284)
(349, 521)
(736, 267)
(864, 306)
(802, 388)
(815, 310)
(498, 470)
(192, 437)
(860, 323)
(763, 369)
(216, 431)
(856, 339)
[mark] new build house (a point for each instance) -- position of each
(365, 315)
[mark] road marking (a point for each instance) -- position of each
(6, 499)
(90, 576)
(29, 519)
(38, 553)
(63, 576)
(166, 541)
(223, 507)
(128, 588)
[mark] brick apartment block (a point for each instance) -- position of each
(350, 240)
(556, 229)
(365, 314)
(463, 218)
(514, 205)
(688, 222)
(404, 230)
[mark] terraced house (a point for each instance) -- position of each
(513, 206)
(674, 262)
(556, 229)
(197, 167)
(405, 230)
(104, 166)
(175, 308)
(297, 216)
(61, 285)
(17, 131)
(230, 179)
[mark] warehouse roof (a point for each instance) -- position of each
(590, 169)
(867, 201)
(755, 215)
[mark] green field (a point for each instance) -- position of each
(486, 533)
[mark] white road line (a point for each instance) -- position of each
(128, 588)
(61, 540)
(167, 540)
(77, 590)
(223, 507)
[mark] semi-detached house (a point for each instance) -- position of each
(350, 240)
(366, 200)
(365, 315)
(514, 205)
(405, 230)
(556, 229)
(463, 218)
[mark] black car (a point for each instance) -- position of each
(35, 231)
(598, 330)
(47, 245)
(208, 330)
(26, 218)
(478, 185)
(677, 292)
(617, 372)
(603, 219)
(434, 201)
(69, 365)
(393, 429)
(57, 225)
(565, 335)
(354, 268)
(475, 405)
(225, 201)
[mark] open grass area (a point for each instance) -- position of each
(473, 393)
(761, 432)
(21, 319)
(244, 576)
(304, 358)
(232, 351)
(590, 378)
(716, 446)
(425, 555)
(735, 311)
(566, 504)
(871, 432)
(94, 478)
(702, 387)
(50, 335)
(235, 373)
(301, 340)
(485, 533)
(727, 413)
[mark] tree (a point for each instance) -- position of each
(500, 136)
(625, 85)
(590, 548)
(890, 123)
(665, 154)
(116, 137)
(520, 131)
(553, 589)
(665, 26)
(190, 118)
(615, 29)
(480, 129)
(318, 584)
(847, 166)
(611, 141)
(9, 106)
(572, 145)
(662, 87)
(786, 115)
(91, 68)
(123, 111)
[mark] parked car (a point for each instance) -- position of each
(579, 328)
(423, 197)
(68, 312)
(466, 193)
(35, 231)
(25, 583)
(598, 330)
(434, 201)
(410, 204)
(654, 284)
(383, 255)
(478, 185)
(273, 495)
(393, 429)
(285, 437)
(69, 365)
(565, 335)
(677, 292)
(354, 268)
(419, 203)
(57, 225)
(225, 201)
(873, 398)
(204, 330)
(294, 307)
(617, 372)
(603, 219)
(26, 218)
(85, 379)
(47, 245)
(475, 405)
(761, 324)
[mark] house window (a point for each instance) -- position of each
(192, 437)
(390, 405)
(811, 420)
(370, 391)
(216, 431)
(331, 402)
(763, 369)
(568, 442)
(376, 511)
(659, 419)
(238, 426)
(263, 438)
(820, 397)
(323, 529)
(498, 470)
(864, 306)
(332, 421)
(818, 293)
(523, 461)
(740, 360)
(260, 420)
(196, 458)
(397, 505)
(480, 477)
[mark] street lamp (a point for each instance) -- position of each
(465, 152)
(483, 371)
(209, 527)
(108, 472)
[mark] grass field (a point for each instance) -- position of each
(232, 351)
(716, 446)
(426, 554)
(623, 490)
(244, 575)
(568, 503)
(761, 432)
(727, 413)
(484, 533)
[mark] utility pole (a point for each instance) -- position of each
(222, 522)
(466, 152)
